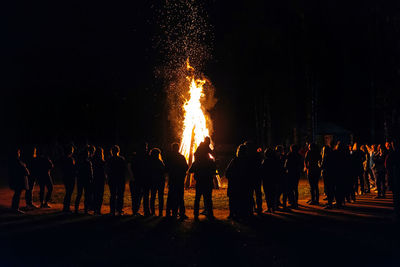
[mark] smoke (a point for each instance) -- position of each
(184, 32)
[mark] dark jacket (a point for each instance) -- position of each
(176, 166)
(204, 170)
(270, 172)
(140, 169)
(43, 168)
(68, 168)
(99, 172)
(294, 164)
(157, 171)
(116, 169)
(18, 174)
(85, 170)
(237, 173)
(312, 161)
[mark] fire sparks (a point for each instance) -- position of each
(195, 122)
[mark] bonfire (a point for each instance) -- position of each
(195, 121)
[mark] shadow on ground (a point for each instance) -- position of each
(361, 234)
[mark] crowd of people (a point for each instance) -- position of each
(347, 171)
(89, 172)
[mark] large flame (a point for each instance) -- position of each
(195, 123)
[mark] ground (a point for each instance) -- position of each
(362, 234)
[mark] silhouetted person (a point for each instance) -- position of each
(389, 162)
(380, 173)
(240, 187)
(116, 170)
(283, 180)
(358, 158)
(92, 151)
(396, 179)
(204, 147)
(68, 169)
(372, 180)
(294, 167)
(312, 161)
(328, 171)
(367, 186)
(18, 174)
(270, 175)
(99, 179)
(31, 164)
(157, 177)
(43, 172)
(176, 167)
(253, 176)
(340, 166)
(141, 180)
(204, 169)
(84, 179)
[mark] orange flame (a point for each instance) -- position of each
(195, 122)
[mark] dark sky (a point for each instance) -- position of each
(77, 72)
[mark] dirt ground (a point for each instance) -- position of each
(362, 234)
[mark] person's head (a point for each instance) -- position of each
(362, 148)
(355, 146)
(115, 151)
(18, 153)
(325, 150)
(85, 152)
(373, 147)
(207, 140)
(143, 148)
(379, 147)
(91, 149)
(294, 148)
(279, 150)
(251, 146)
(99, 154)
(175, 147)
(241, 151)
(394, 144)
(40, 151)
(313, 147)
(69, 150)
(269, 153)
(155, 153)
(339, 146)
(388, 146)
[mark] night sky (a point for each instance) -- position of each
(86, 72)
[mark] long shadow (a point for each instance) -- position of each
(310, 213)
(369, 210)
(15, 219)
(44, 222)
(373, 203)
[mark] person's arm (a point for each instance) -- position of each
(229, 170)
(306, 161)
(25, 170)
(193, 168)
